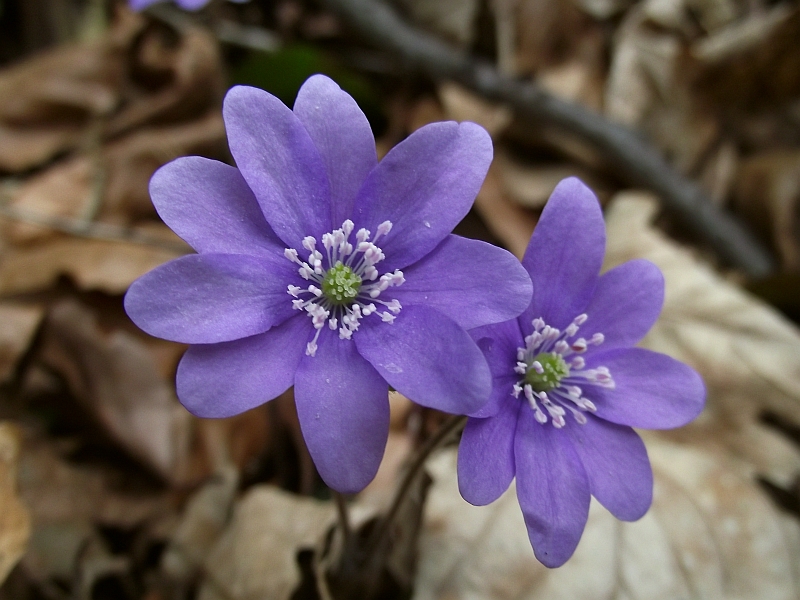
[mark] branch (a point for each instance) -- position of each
(633, 160)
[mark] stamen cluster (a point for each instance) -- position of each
(552, 367)
(337, 293)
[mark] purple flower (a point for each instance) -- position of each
(569, 386)
(322, 268)
(138, 5)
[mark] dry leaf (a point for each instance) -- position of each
(256, 556)
(18, 324)
(15, 522)
(93, 264)
(115, 377)
(454, 20)
(766, 194)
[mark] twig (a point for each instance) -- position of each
(635, 161)
(450, 427)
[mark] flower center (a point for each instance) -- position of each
(340, 284)
(553, 372)
(338, 294)
(553, 368)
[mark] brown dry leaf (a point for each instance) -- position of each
(710, 534)
(66, 502)
(18, 324)
(766, 193)
(15, 521)
(256, 556)
(115, 377)
(115, 183)
(454, 20)
(51, 99)
(754, 62)
(94, 264)
(647, 89)
(462, 105)
(747, 353)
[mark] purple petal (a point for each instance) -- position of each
(499, 343)
(552, 488)
(209, 298)
(626, 304)
(652, 390)
(472, 282)
(142, 4)
(280, 163)
(225, 379)
(616, 464)
(343, 407)
(209, 205)
(564, 255)
(192, 4)
(425, 185)
(427, 357)
(486, 455)
(342, 135)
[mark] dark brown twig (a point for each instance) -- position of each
(635, 161)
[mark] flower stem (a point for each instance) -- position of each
(381, 533)
(344, 517)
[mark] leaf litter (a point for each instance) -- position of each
(113, 486)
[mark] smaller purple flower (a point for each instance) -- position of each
(138, 5)
(320, 267)
(568, 386)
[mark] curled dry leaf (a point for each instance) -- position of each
(115, 377)
(710, 534)
(15, 522)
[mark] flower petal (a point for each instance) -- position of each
(652, 390)
(552, 488)
(616, 463)
(427, 357)
(209, 205)
(626, 304)
(486, 455)
(472, 282)
(565, 254)
(499, 343)
(225, 379)
(343, 407)
(209, 298)
(280, 163)
(342, 135)
(425, 185)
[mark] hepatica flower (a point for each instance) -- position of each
(322, 268)
(184, 4)
(569, 386)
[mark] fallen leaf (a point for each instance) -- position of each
(110, 266)
(15, 521)
(18, 324)
(114, 376)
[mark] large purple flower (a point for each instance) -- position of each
(569, 386)
(298, 279)
(184, 4)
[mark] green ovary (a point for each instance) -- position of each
(340, 284)
(554, 368)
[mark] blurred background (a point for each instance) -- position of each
(682, 115)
